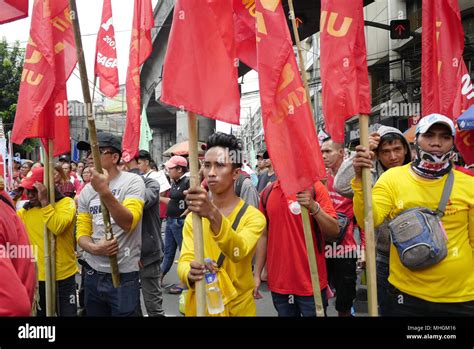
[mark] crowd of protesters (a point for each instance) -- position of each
(252, 231)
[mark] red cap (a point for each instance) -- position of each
(176, 161)
(35, 175)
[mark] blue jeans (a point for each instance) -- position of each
(295, 306)
(103, 299)
(383, 272)
(173, 240)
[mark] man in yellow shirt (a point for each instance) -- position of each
(59, 219)
(445, 288)
(222, 164)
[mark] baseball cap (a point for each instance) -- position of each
(104, 139)
(425, 123)
(176, 161)
(35, 175)
(259, 155)
(265, 155)
(64, 158)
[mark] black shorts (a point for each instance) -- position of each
(343, 277)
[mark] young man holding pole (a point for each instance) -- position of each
(123, 194)
(230, 247)
(445, 288)
(59, 219)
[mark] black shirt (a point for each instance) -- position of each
(264, 179)
(177, 205)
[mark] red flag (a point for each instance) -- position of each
(11, 10)
(244, 25)
(140, 49)
(344, 74)
(200, 70)
(445, 83)
(49, 60)
(290, 134)
(106, 55)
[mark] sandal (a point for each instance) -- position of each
(175, 289)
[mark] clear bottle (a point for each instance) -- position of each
(215, 305)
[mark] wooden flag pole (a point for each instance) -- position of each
(308, 235)
(92, 132)
(48, 284)
(52, 239)
(197, 220)
(368, 222)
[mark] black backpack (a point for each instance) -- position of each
(239, 183)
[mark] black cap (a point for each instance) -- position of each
(266, 156)
(64, 158)
(259, 155)
(104, 139)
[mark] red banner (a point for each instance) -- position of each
(49, 60)
(344, 74)
(244, 24)
(140, 48)
(200, 70)
(12, 10)
(106, 55)
(445, 83)
(290, 134)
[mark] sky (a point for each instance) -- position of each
(90, 13)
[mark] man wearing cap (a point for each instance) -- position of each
(268, 176)
(445, 288)
(176, 205)
(59, 219)
(123, 194)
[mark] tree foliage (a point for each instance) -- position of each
(11, 66)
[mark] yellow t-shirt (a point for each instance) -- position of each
(399, 189)
(60, 221)
(238, 248)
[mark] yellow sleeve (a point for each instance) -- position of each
(84, 225)
(470, 228)
(21, 213)
(187, 251)
(237, 246)
(382, 201)
(135, 206)
(58, 218)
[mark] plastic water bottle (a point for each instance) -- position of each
(215, 305)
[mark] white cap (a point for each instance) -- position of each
(429, 120)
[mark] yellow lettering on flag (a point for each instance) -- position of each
(342, 31)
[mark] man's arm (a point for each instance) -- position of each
(152, 192)
(344, 176)
(249, 193)
(260, 261)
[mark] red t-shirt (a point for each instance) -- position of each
(343, 205)
(287, 258)
(17, 272)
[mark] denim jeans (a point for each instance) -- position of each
(66, 299)
(383, 272)
(103, 299)
(173, 240)
(288, 305)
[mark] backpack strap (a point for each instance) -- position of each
(238, 184)
(237, 219)
(448, 187)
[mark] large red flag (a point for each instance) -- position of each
(42, 109)
(11, 10)
(244, 25)
(140, 49)
(344, 73)
(106, 55)
(290, 134)
(445, 83)
(200, 70)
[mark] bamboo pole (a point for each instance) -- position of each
(48, 280)
(52, 200)
(197, 220)
(368, 223)
(308, 235)
(92, 133)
